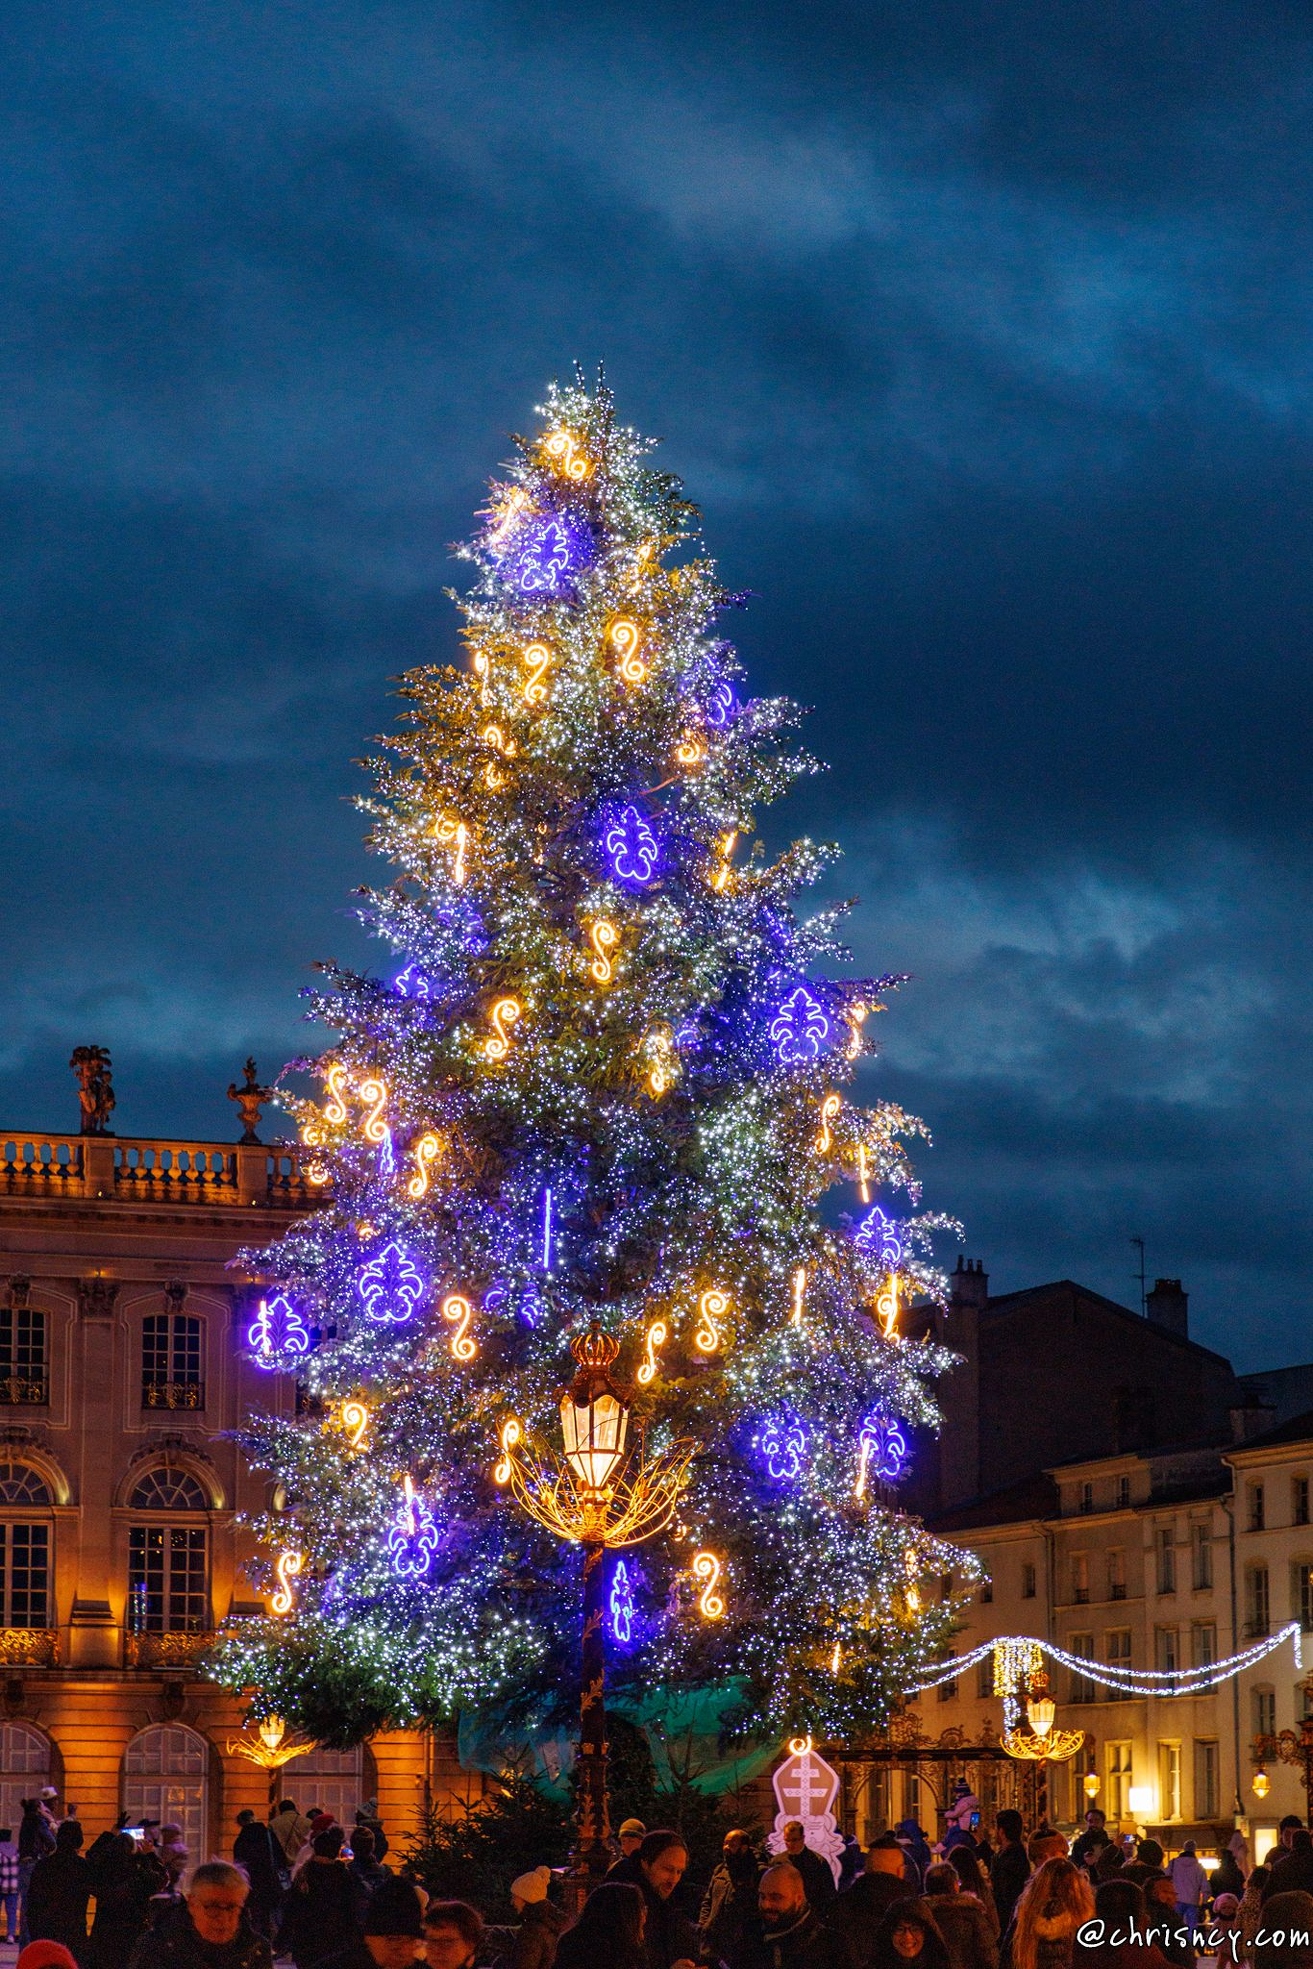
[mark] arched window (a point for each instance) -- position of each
(24, 1548)
(168, 1565)
(172, 1361)
(21, 1484)
(25, 1763)
(165, 1776)
(332, 1779)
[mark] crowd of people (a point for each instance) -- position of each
(303, 1888)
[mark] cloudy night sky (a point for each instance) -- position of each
(983, 335)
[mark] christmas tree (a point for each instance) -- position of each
(600, 1087)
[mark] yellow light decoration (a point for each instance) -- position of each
(690, 751)
(452, 832)
(355, 1420)
(511, 1434)
(863, 1181)
(538, 659)
(494, 736)
(706, 1567)
(562, 447)
(712, 1306)
(316, 1172)
(864, 1448)
(335, 1112)
(1054, 1749)
(271, 1748)
(481, 667)
(272, 1731)
(656, 1337)
(1091, 1785)
(425, 1152)
(626, 638)
(364, 1228)
(723, 873)
(856, 1016)
(374, 1093)
(836, 1659)
(830, 1107)
(800, 1746)
(458, 1312)
(913, 1590)
(658, 1046)
(287, 1568)
(886, 1308)
(504, 1014)
(1261, 1784)
(517, 501)
(799, 1295)
(604, 937)
(1041, 1714)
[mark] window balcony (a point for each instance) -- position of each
(174, 1394)
(1081, 1595)
(1117, 1591)
(165, 1650)
(24, 1391)
(35, 1647)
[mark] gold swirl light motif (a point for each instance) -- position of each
(707, 1568)
(335, 1112)
(886, 1307)
(511, 1433)
(374, 1093)
(458, 1312)
(690, 751)
(287, 1569)
(480, 666)
(800, 1746)
(538, 659)
(355, 1420)
(626, 639)
(425, 1152)
(863, 1180)
(722, 875)
(316, 1173)
(656, 1337)
(452, 832)
(830, 1107)
(799, 1295)
(659, 1047)
(502, 1017)
(856, 1016)
(712, 1306)
(562, 447)
(604, 937)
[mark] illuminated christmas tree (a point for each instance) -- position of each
(600, 1086)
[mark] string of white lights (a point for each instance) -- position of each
(1128, 1681)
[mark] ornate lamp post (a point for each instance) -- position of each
(595, 1495)
(1019, 1677)
(271, 1748)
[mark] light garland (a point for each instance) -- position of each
(799, 1295)
(1126, 1681)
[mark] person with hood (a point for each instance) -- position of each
(1226, 1877)
(59, 1891)
(1287, 1916)
(1011, 1868)
(961, 1920)
(1189, 1884)
(1056, 1900)
(122, 1885)
(792, 1934)
(322, 1908)
(367, 1816)
(916, 1846)
(259, 1857)
(393, 1935)
(609, 1933)
(728, 1917)
(909, 1938)
(211, 1931)
(534, 1943)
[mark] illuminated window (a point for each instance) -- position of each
(23, 1380)
(1121, 1777)
(24, 1575)
(172, 1356)
(167, 1580)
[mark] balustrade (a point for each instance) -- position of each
(136, 1170)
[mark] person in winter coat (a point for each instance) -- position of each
(1226, 1877)
(367, 1816)
(9, 1882)
(610, 1932)
(1223, 1924)
(817, 1873)
(1189, 1884)
(656, 1869)
(260, 1858)
(58, 1893)
(914, 1843)
(1011, 1868)
(728, 1917)
(909, 1938)
(322, 1909)
(365, 1865)
(1147, 1864)
(534, 1944)
(792, 1934)
(1293, 1871)
(1251, 1909)
(1161, 1914)
(1119, 1914)
(1286, 1915)
(858, 1912)
(213, 1933)
(291, 1829)
(961, 1920)
(454, 1935)
(966, 1865)
(1056, 1900)
(122, 1884)
(394, 1932)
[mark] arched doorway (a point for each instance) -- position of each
(165, 1777)
(24, 1768)
(334, 1780)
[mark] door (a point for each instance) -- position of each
(166, 1777)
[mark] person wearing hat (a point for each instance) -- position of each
(631, 1836)
(534, 1944)
(394, 1932)
(46, 1955)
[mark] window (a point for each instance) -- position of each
(1116, 1574)
(168, 1490)
(171, 1357)
(1165, 1540)
(1082, 1688)
(24, 1768)
(1120, 1779)
(985, 1678)
(1087, 1497)
(165, 1772)
(1257, 1603)
(1303, 1596)
(948, 1691)
(1080, 1578)
(1123, 1493)
(946, 1587)
(21, 1485)
(1201, 1552)
(23, 1354)
(166, 1580)
(1203, 1643)
(1256, 1511)
(24, 1575)
(1028, 1582)
(1206, 1786)
(1299, 1500)
(986, 1592)
(1119, 1655)
(1169, 1780)
(1265, 1712)
(1167, 1645)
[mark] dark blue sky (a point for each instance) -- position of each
(983, 337)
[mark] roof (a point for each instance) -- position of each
(1007, 1302)
(1033, 1497)
(1298, 1429)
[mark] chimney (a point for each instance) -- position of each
(969, 1285)
(1168, 1306)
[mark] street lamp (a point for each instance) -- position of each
(1288, 1747)
(595, 1496)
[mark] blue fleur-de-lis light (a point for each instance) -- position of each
(782, 1444)
(884, 1447)
(414, 983)
(720, 707)
(413, 1537)
(622, 1604)
(542, 557)
(277, 1335)
(881, 1239)
(799, 1029)
(391, 1286)
(631, 847)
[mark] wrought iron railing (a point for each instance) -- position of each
(173, 1394)
(164, 1650)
